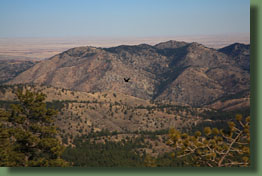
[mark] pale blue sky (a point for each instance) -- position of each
(122, 18)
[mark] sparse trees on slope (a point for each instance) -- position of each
(150, 161)
(27, 133)
(217, 148)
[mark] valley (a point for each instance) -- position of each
(105, 119)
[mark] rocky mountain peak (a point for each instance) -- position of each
(239, 53)
(235, 49)
(170, 44)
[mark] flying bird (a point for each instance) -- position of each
(126, 79)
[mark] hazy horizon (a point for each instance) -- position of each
(42, 29)
(47, 47)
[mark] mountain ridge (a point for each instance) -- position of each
(188, 73)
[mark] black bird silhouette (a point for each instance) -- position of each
(126, 79)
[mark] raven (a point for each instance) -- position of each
(126, 79)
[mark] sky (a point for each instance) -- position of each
(123, 18)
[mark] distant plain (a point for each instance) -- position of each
(41, 48)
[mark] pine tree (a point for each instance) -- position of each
(28, 136)
(216, 148)
(8, 157)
